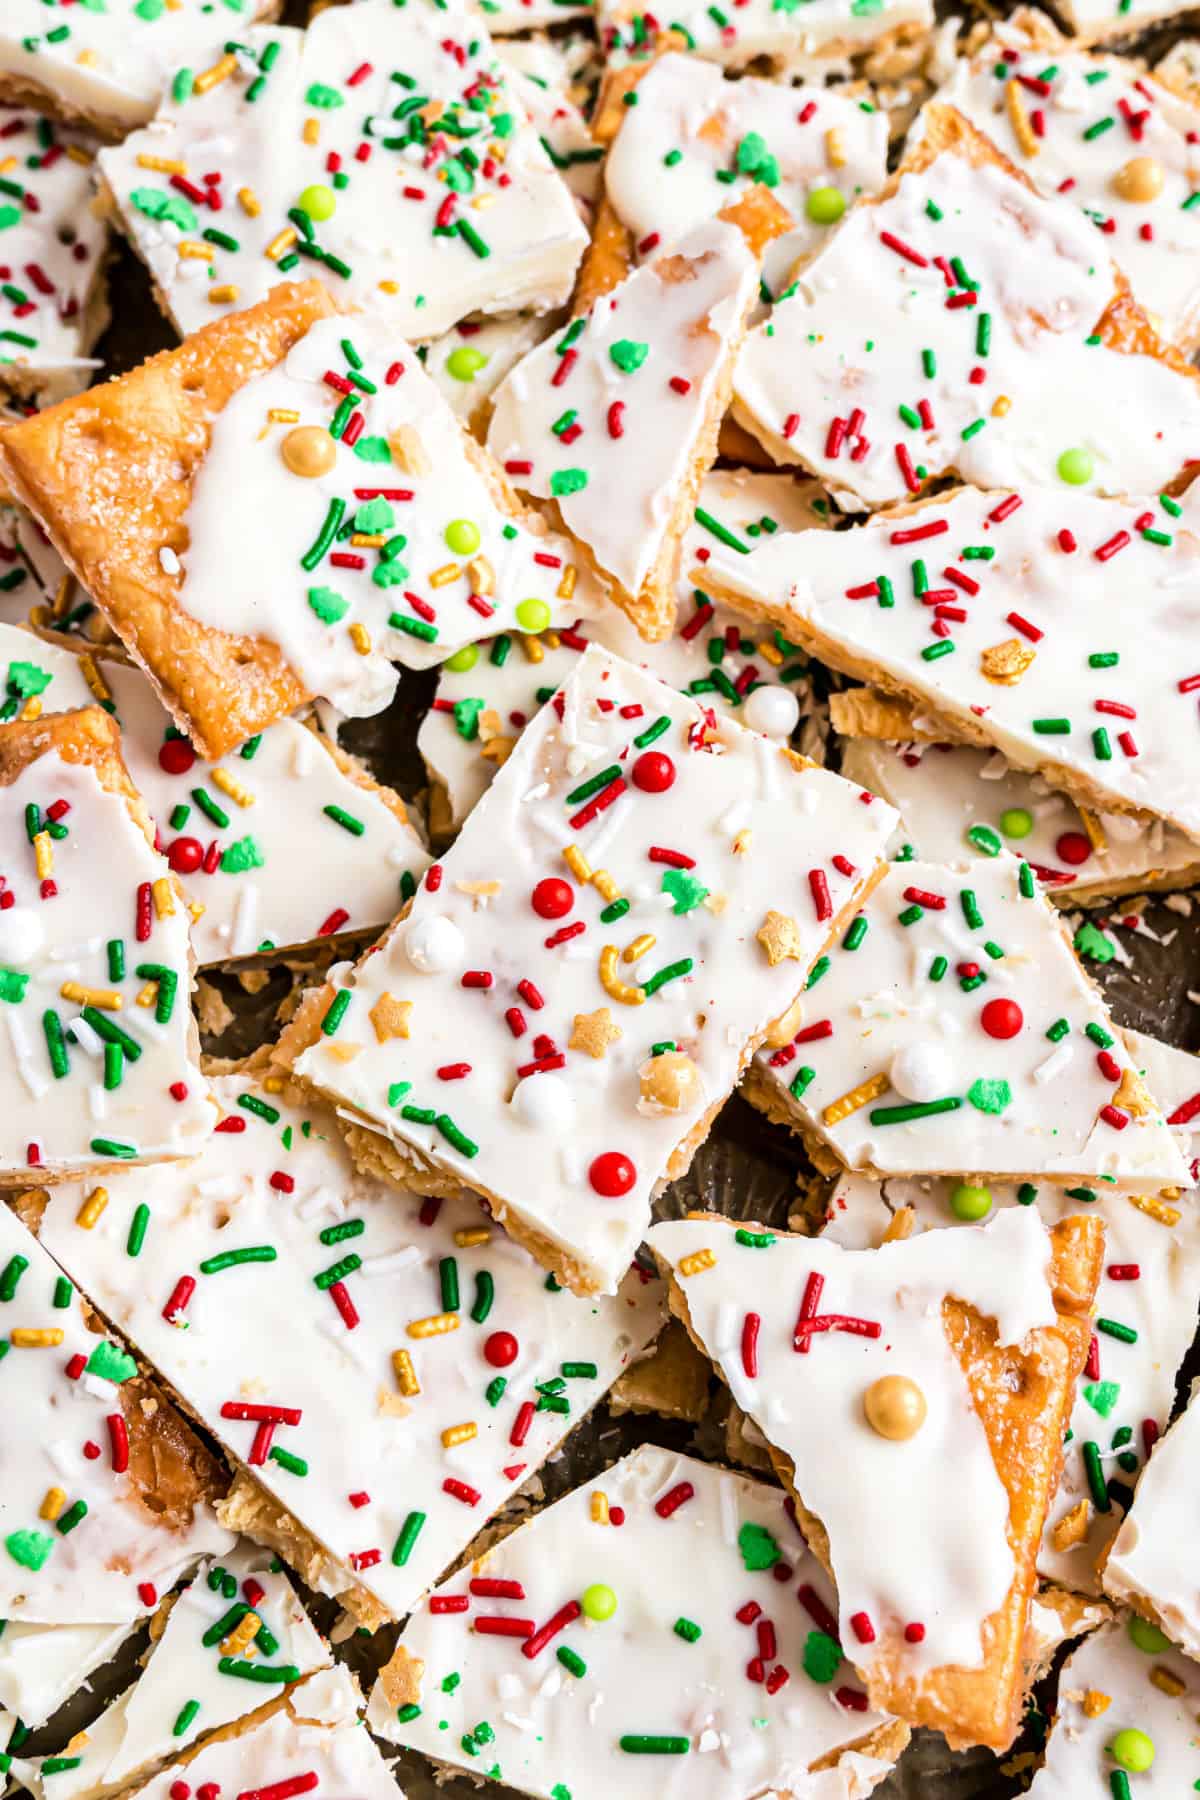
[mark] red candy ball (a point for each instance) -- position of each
(552, 898)
(501, 1349)
(1074, 848)
(612, 1174)
(179, 1790)
(653, 772)
(1002, 1018)
(185, 855)
(176, 756)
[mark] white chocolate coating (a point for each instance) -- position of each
(741, 828)
(493, 347)
(1132, 717)
(553, 1725)
(91, 1572)
(382, 228)
(785, 34)
(264, 1332)
(41, 1666)
(1033, 1078)
(850, 342)
(1153, 1562)
(943, 1560)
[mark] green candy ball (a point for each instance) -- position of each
(464, 363)
(970, 1203)
(598, 1602)
(319, 202)
(533, 615)
(463, 659)
(462, 536)
(1016, 822)
(1148, 1637)
(825, 205)
(1132, 1750)
(1075, 467)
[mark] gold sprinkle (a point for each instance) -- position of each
(220, 71)
(273, 1084)
(605, 886)
(592, 1033)
(857, 1098)
(43, 856)
(229, 784)
(1018, 118)
(481, 575)
(62, 596)
(1001, 406)
(639, 946)
(780, 937)
(578, 864)
(447, 573)
(367, 540)
(243, 1633)
(1167, 1683)
(435, 1326)
(249, 202)
(224, 294)
(312, 131)
(283, 240)
(696, 1262)
(566, 586)
(389, 287)
(459, 1434)
(1095, 1703)
(107, 999)
(835, 148)
(32, 708)
(551, 640)
(1154, 1208)
(473, 1237)
(1004, 664)
(360, 637)
(92, 1207)
(599, 1507)
(743, 841)
(94, 679)
(283, 415)
(26, 1337)
(197, 252)
(164, 898)
(52, 1504)
(532, 647)
(166, 165)
(148, 994)
(771, 653)
(78, 154)
(405, 1372)
(611, 982)
(87, 59)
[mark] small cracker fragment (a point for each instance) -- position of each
(1072, 1528)
(1006, 663)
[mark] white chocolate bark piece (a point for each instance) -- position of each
(615, 421)
(738, 35)
(955, 800)
(609, 1641)
(1099, 129)
(1106, 21)
(1123, 1679)
(1005, 615)
(100, 1057)
(996, 279)
(372, 1361)
(923, 1590)
(695, 139)
(403, 217)
(953, 1029)
(443, 563)
(564, 134)
(468, 363)
(497, 1036)
(212, 1664)
(52, 248)
(315, 1741)
(37, 677)
(80, 1542)
(716, 653)
(1152, 1565)
(109, 66)
(41, 1666)
(504, 16)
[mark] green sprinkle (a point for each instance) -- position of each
(911, 914)
(493, 1393)
(758, 1548)
(1124, 1334)
(263, 1673)
(917, 1109)
(970, 908)
(242, 855)
(29, 1548)
(138, 1228)
(62, 1293)
(937, 968)
(567, 481)
(1099, 1036)
(648, 1744)
(1101, 744)
(56, 1043)
(336, 1272)
(822, 1657)
(74, 1515)
(721, 532)
(1026, 1194)
(111, 1147)
(856, 934)
(184, 1718)
(672, 972)
(336, 1012)
(933, 652)
(328, 606)
(593, 785)
(1025, 882)
(753, 1240)
(408, 1712)
(929, 364)
(1095, 1477)
(295, 1465)
(485, 1295)
(346, 820)
(235, 1259)
(802, 1082)
(1052, 727)
(985, 840)
(572, 1662)
(409, 1533)
(1058, 1030)
(261, 1108)
(687, 1629)
(1099, 128)
(110, 1363)
(652, 732)
(457, 1139)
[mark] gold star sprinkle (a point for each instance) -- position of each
(389, 1016)
(594, 1032)
(780, 937)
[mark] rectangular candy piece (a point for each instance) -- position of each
(954, 800)
(412, 175)
(279, 508)
(642, 380)
(107, 66)
(480, 711)
(741, 34)
(108, 1494)
(635, 853)
(952, 1029)
(946, 1352)
(100, 1061)
(588, 1659)
(1145, 1312)
(332, 1336)
(1106, 133)
(961, 323)
(52, 304)
(1006, 617)
(234, 1639)
(707, 139)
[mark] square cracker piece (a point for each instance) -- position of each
(934, 1599)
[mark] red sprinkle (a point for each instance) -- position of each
(819, 888)
(676, 1497)
(449, 1603)
(1124, 1272)
(566, 1615)
(118, 1438)
(461, 1490)
(750, 1330)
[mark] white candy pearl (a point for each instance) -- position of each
(772, 710)
(922, 1072)
(22, 935)
(434, 945)
(545, 1102)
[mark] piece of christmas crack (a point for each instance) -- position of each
(952, 1030)
(692, 140)
(53, 305)
(1125, 1720)
(562, 129)
(634, 851)
(107, 1494)
(384, 1373)
(487, 694)
(788, 34)
(1105, 132)
(233, 1640)
(961, 322)
(467, 364)
(616, 420)
(1151, 1565)
(100, 1049)
(42, 1666)
(278, 508)
(580, 1654)
(412, 176)
(957, 801)
(946, 1351)
(1005, 616)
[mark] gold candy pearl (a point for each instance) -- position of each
(309, 451)
(670, 1082)
(1139, 180)
(895, 1407)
